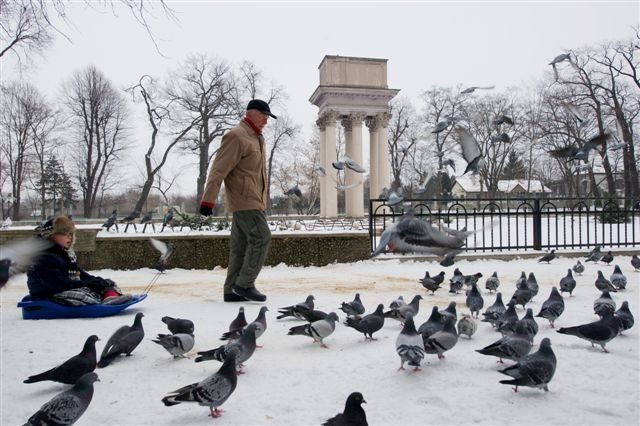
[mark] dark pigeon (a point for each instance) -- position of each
(178, 325)
(532, 283)
(553, 307)
(493, 282)
(618, 279)
(409, 344)
(111, 221)
(635, 262)
(474, 301)
(602, 283)
(367, 324)
(66, 407)
(317, 330)
(443, 340)
(530, 324)
(598, 332)
(167, 220)
(513, 346)
(260, 324)
(355, 307)
(604, 304)
(449, 259)
(534, 370)
(353, 414)
(493, 313)
(568, 283)
(239, 321)
(624, 317)
(450, 311)
(434, 324)
(211, 392)
(548, 257)
(522, 295)
(507, 321)
(70, 371)
(607, 258)
(242, 349)
(430, 283)
(123, 341)
(298, 310)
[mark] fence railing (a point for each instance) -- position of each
(525, 223)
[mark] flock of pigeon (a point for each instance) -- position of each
(437, 336)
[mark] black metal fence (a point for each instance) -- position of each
(524, 223)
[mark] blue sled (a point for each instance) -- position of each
(46, 309)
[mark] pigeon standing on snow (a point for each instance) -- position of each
(66, 407)
(240, 321)
(553, 307)
(507, 321)
(624, 317)
(399, 301)
(297, 310)
(368, 324)
(604, 304)
(513, 346)
(434, 324)
(400, 313)
(474, 301)
(409, 345)
(467, 326)
(532, 283)
(578, 268)
(443, 340)
(353, 414)
(530, 324)
(535, 370)
(568, 283)
(493, 282)
(211, 392)
(635, 262)
(594, 255)
(548, 257)
(317, 330)
(165, 251)
(70, 371)
(355, 307)
(430, 283)
(602, 283)
(607, 258)
(123, 341)
(493, 313)
(242, 349)
(600, 332)
(522, 295)
(260, 324)
(178, 325)
(456, 282)
(176, 344)
(618, 279)
(450, 311)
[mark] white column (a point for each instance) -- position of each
(331, 193)
(322, 180)
(384, 178)
(354, 197)
(374, 188)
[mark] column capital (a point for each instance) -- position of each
(371, 123)
(383, 119)
(327, 119)
(321, 124)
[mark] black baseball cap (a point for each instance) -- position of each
(261, 106)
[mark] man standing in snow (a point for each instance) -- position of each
(240, 164)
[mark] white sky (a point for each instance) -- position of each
(426, 43)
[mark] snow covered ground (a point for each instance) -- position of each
(293, 381)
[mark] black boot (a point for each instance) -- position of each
(232, 297)
(250, 293)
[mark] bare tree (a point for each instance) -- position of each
(99, 113)
(280, 132)
(404, 133)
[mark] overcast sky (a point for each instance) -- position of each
(427, 43)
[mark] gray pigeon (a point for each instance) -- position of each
(178, 325)
(493, 313)
(70, 371)
(532, 283)
(211, 392)
(297, 310)
(604, 304)
(352, 165)
(572, 153)
(240, 321)
(165, 250)
(400, 313)
(317, 330)
(176, 344)
(548, 257)
(467, 326)
(243, 349)
(513, 346)
(355, 307)
(17, 256)
(522, 295)
(602, 283)
(395, 304)
(578, 268)
(260, 324)
(635, 262)
(560, 58)
(450, 311)
(594, 255)
(443, 340)
(474, 88)
(367, 324)
(600, 332)
(553, 307)
(471, 151)
(353, 414)
(534, 370)
(493, 282)
(507, 321)
(411, 234)
(456, 282)
(409, 345)
(568, 283)
(530, 324)
(624, 317)
(521, 279)
(123, 341)
(618, 279)
(66, 407)
(474, 301)
(434, 324)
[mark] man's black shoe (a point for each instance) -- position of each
(232, 297)
(249, 293)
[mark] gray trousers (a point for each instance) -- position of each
(250, 236)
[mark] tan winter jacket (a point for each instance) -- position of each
(240, 163)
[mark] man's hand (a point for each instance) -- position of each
(206, 210)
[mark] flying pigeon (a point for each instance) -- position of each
(443, 340)
(572, 153)
(607, 258)
(502, 137)
(242, 349)
(352, 165)
(394, 198)
(70, 371)
(548, 257)
(295, 191)
(574, 111)
(442, 125)
(618, 279)
(600, 332)
(317, 330)
(604, 304)
(474, 88)
(296, 310)
(493, 313)
(635, 262)
(240, 321)
(624, 317)
(367, 324)
(493, 282)
(474, 301)
(502, 119)
(560, 58)
(434, 324)
(178, 325)
(468, 280)
(449, 258)
(616, 146)
(534, 370)
(341, 187)
(355, 307)
(400, 313)
(338, 165)
(211, 392)
(553, 307)
(578, 268)
(16, 256)
(409, 344)
(568, 283)
(165, 251)
(602, 283)
(176, 344)
(66, 407)
(467, 326)
(353, 414)
(513, 346)
(319, 170)
(123, 341)
(260, 326)
(471, 151)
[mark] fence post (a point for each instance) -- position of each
(537, 225)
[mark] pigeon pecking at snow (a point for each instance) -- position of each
(355, 307)
(178, 325)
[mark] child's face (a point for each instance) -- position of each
(63, 240)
